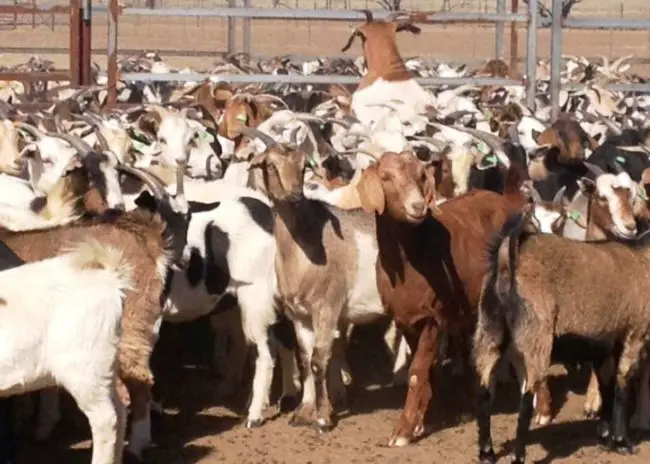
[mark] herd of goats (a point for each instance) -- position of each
(489, 236)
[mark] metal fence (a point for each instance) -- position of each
(457, 27)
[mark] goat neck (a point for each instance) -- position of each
(382, 56)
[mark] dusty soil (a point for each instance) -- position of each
(200, 427)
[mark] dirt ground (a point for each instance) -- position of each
(200, 427)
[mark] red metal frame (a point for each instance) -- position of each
(80, 43)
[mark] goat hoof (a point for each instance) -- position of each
(487, 457)
(323, 426)
(288, 403)
(590, 414)
(254, 423)
(398, 442)
(298, 421)
(542, 419)
(621, 445)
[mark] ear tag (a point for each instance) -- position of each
(575, 216)
(205, 135)
(243, 117)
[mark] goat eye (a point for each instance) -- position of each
(163, 140)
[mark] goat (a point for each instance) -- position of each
(387, 78)
(323, 269)
(529, 297)
(429, 268)
(80, 292)
(151, 241)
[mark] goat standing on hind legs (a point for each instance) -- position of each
(430, 268)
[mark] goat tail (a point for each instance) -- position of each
(497, 294)
(92, 254)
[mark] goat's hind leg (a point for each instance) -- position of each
(305, 414)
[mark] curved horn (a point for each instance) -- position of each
(559, 196)
(180, 181)
(268, 96)
(492, 141)
(340, 122)
(463, 88)
(33, 131)
(148, 180)
(458, 114)
(254, 133)
(103, 143)
(354, 151)
(611, 126)
(595, 170)
(308, 117)
(75, 142)
(439, 144)
(82, 92)
(369, 17)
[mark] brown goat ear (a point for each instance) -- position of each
(149, 123)
(371, 192)
(258, 160)
(494, 125)
(409, 27)
(430, 194)
(356, 33)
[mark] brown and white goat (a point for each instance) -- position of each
(429, 268)
(151, 238)
(387, 78)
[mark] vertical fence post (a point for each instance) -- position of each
(85, 77)
(499, 41)
(75, 17)
(514, 38)
(247, 30)
(232, 32)
(531, 55)
(556, 58)
(111, 51)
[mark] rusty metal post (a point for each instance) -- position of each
(514, 39)
(500, 31)
(232, 31)
(246, 30)
(531, 55)
(111, 50)
(556, 58)
(85, 77)
(75, 42)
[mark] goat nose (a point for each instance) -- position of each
(418, 206)
(631, 226)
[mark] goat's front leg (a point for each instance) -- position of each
(306, 412)
(140, 436)
(425, 349)
(641, 418)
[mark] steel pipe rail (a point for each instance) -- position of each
(326, 15)
(606, 23)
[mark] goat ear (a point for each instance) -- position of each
(371, 192)
(494, 124)
(146, 201)
(353, 36)
(536, 134)
(258, 160)
(74, 163)
(587, 186)
(430, 193)
(409, 27)
(149, 123)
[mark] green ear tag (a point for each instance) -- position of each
(205, 135)
(620, 159)
(242, 118)
(483, 148)
(640, 190)
(489, 161)
(575, 216)
(312, 163)
(139, 146)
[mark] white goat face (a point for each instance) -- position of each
(525, 129)
(108, 168)
(175, 135)
(51, 158)
(545, 218)
(619, 191)
(203, 161)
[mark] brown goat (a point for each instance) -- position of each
(382, 57)
(430, 268)
(152, 237)
(568, 137)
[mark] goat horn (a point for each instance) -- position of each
(557, 199)
(463, 88)
(537, 198)
(492, 141)
(268, 96)
(618, 168)
(369, 17)
(439, 144)
(308, 117)
(254, 133)
(4, 109)
(103, 143)
(354, 151)
(340, 122)
(149, 181)
(180, 181)
(86, 90)
(613, 127)
(595, 170)
(458, 114)
(33, 131)
(77, 143)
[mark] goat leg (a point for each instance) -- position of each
(425, 348)
(641, 418)
(543, 404)
(305, 414)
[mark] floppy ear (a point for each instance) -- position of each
(353, 36)
(371, 192)
(75, 162)
(587, 186)
(430, 189)
(149, 123)
(146, 201)
(258, 160)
